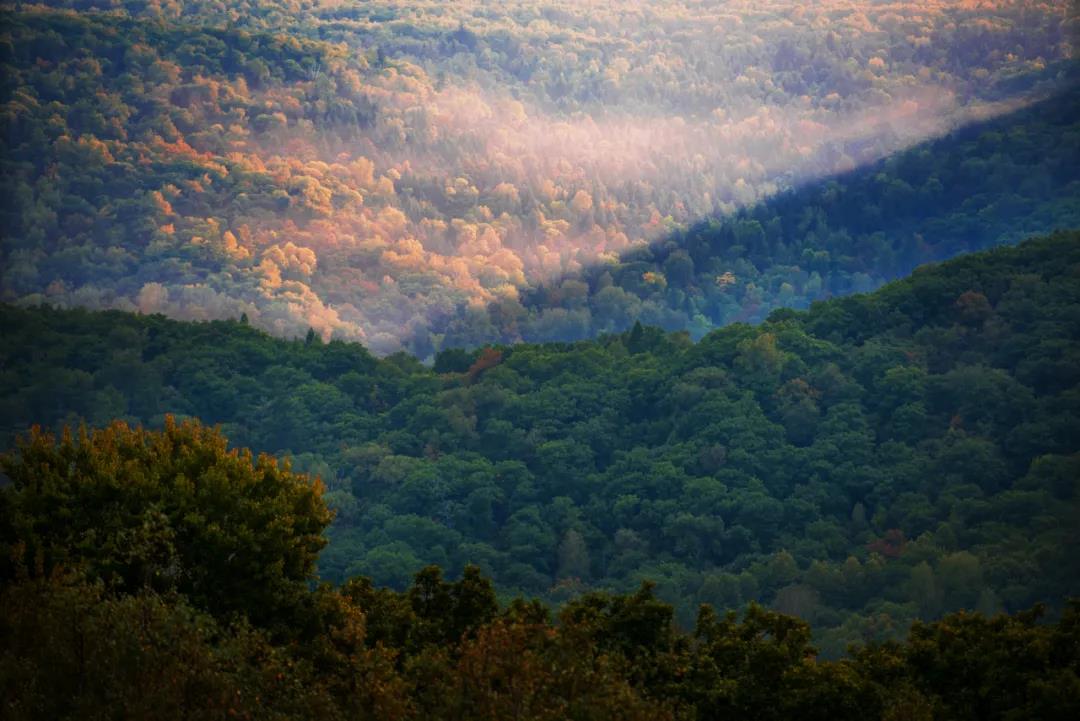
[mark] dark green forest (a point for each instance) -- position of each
(873, 460)
(159, 575)
(539, 360)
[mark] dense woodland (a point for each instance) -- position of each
(435, 175)
(984, 185)
(160, 575)
(876, 459)
(567, 341)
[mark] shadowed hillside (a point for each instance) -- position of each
(182, 589)
(983, 185)
(875, 459)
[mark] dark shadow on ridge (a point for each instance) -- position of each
(985, 184)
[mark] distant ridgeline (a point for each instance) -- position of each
(876, 459)
(421, 176)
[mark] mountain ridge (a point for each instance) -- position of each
(876, 437)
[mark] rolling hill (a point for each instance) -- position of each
(875, 459)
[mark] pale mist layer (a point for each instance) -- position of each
(530, 142)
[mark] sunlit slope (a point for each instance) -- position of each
(382, 171)
(877, 458)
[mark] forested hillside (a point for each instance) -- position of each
(876, 459)
(160, 575)
(545, 360)
(985, 185)
(430, 175)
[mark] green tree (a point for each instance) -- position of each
(169, 510)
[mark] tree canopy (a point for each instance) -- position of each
(874, 460)
(85, 640)
(424, 176)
